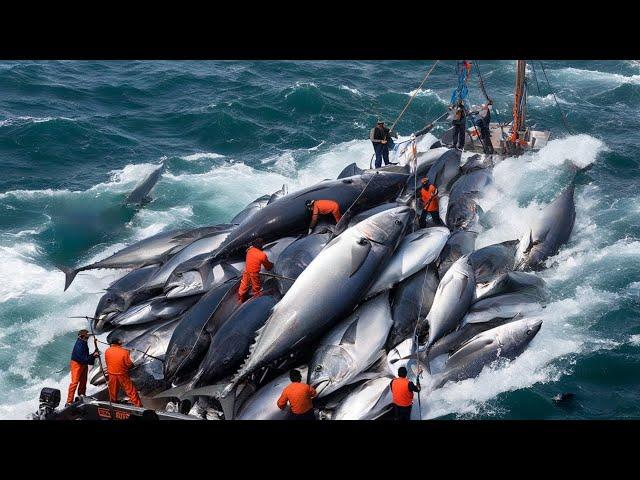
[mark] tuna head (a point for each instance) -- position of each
(110, 305)
(332, 364)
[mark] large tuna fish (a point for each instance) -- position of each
(203, 245)
(297, 256)
(416, 251)
(289, 215)
(230, 344)
(506, 305)
(511, 282)
(351, 347)
(321, 295)
(124, 292)
(155, 310)
(140, 194)
(262, 404)
(412, 302)
(152, 250)
(462, 209)
(191, 339)
(452, 299)
(369, 401)
(460, 243)
(549, 232)
(503, 342)
(258, 204)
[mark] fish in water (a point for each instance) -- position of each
(549, 232)
(153, 250)
(140, 195)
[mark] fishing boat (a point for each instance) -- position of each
(512, 138)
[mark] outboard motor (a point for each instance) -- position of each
(49, 401)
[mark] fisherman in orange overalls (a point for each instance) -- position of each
(79, 365)
(429, 196)
(322, 207)
(300, 396)
(255, 259)
(402, 394)
(118, 365)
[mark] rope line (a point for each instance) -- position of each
(564, 120)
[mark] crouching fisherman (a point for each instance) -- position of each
(322, 207)
(402, 393)
(79, 365)
(118, 365)
(254, 261)
(300, 396)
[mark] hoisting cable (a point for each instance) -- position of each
(535, 77)
(415, 339)
(564, 120)
(407, 105)
(112, 412)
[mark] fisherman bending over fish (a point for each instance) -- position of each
(79, 365)
(300, 396)
(322, 207)
(254, 261)
(429, 196)
(402, 393)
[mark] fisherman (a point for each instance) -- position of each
(322, 207)
(482, 122)
(459, 123)
(300, 396)
(402, 394)
(429, 196)
(380, 137)
(254, 260)
(118, 365)
(79, 365)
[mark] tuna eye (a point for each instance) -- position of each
(529, 332)
(318, 368)
(109, 300)
(179, 274)
(362, 241)
(398, 222)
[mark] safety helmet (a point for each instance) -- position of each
(309, 204)
(115, 341)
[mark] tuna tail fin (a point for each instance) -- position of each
(69, 275)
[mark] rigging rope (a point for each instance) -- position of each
(407, 105)
(535, 76)
(564, 120)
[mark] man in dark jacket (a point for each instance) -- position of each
(459, 123)
(482, 122)
(380, 137)
(80, 361)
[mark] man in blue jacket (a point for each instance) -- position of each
(80, 361)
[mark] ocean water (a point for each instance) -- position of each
(76, 137)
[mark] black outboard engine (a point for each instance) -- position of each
(49, 401)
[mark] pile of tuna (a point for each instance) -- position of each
(347, 304)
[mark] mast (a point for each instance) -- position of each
(516, 139)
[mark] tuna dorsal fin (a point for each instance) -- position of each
(359, 252)
(349, 335)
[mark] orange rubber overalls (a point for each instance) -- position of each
(256, 258)
(325, 207)
(118, 365)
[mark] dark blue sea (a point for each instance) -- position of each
(77, 136)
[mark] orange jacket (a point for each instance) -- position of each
(402, 396)
(255, 259)
(430, 198)
(326, 207)
(299, 395)
(118, 360)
